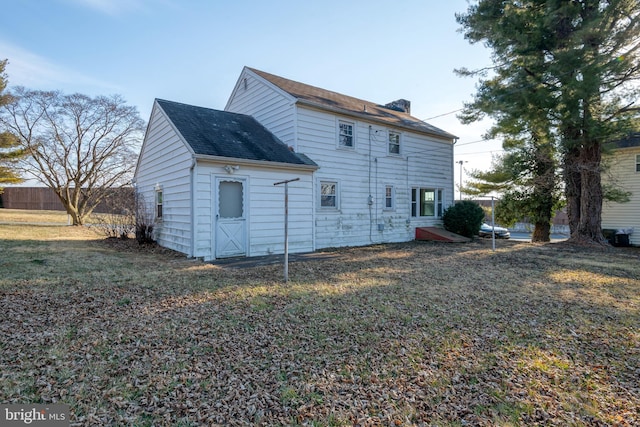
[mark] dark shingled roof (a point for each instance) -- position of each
(220, 133)
(327, 99)
(633, 140)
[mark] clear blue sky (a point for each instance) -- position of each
(192, 51)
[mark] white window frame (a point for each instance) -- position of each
(418, 205)
(158, 200)
(389, 198)
(336, 194)
(346, 135)
(396, 143)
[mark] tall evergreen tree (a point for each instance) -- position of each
(565, 69)
(526, 176)
(9, 144)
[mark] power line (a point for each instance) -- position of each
(475, 142)
(482, 152)
(442, 115)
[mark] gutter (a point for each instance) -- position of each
(260, 163)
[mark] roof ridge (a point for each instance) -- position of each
(260, 72)
(200, 106)
(340, 103)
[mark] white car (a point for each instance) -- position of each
(501, 232)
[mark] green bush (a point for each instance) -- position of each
(463, 218)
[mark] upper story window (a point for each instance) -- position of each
(426, 202)
(637, 162)
(329, 194)
(394, 142)
(345, 134)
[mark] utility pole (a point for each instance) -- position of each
(460, 162)
(493, 225)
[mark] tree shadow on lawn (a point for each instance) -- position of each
(397, 334)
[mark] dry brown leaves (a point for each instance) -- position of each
(407, 334)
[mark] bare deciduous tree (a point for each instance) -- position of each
(79, 146)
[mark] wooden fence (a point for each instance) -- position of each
(42, 198)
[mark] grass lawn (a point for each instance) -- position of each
(27, 216)
(402, 334)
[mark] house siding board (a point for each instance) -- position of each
(267, 216)
(165, 161)
(204, 206)
(265, 210)
(354, 223)
(624, 215)
(270, 107)
(174, 231)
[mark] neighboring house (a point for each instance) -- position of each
(368, 173)
(624, 172)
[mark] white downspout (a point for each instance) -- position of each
(192, 171)
(453, 179)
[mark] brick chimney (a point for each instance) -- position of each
(400, 105)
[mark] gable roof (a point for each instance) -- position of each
(337, 102)
(218, 133)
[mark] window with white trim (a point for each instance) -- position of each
(345, 134)
(389, 202)
(637, 162)
(158, 203)
(394, 142)
(328, 195)
(426, 202)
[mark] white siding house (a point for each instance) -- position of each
(367, 173)
(390, 171)
(624, 172)
(208, 177)
(164, 154)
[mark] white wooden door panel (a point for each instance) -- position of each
(231, 223)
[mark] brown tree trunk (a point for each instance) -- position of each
(541, 232)
(544, 188)
(72, 211)
(591, 195)
(75, 217)
(572, 190)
